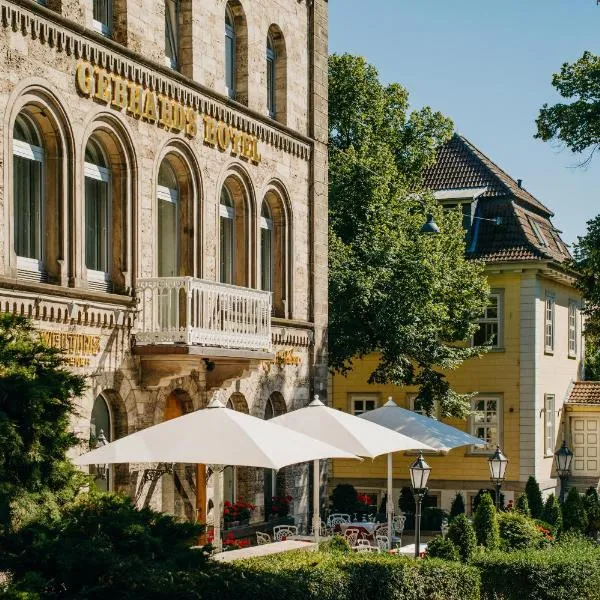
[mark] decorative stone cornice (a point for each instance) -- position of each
(73, 40)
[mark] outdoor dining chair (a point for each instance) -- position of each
(262, 538)
(382, 542)
(282, 532)
(352, 534)
(338, 519)
(398, 529)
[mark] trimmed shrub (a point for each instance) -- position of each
(573, 511)
(458, 505)
(318, 576)
(534, 497)
(440, 547)
(564, 571)
(486, 523)
(522, 505)
(492, 493)
(591, 503)
(518, 532)
(336, 544)
(462, 535)
(552, 513)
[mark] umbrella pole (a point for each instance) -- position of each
(316, 517)
(390, 500)
(218, 510)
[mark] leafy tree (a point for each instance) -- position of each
(552, 513)
(409, 297)
(458, 505)
(534, 497)
(576, 124)
(573, 510)
(462, 535)
(486, 523)
(37, 395)
(522, 505)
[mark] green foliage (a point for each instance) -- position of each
(458, 505)
(344, 498)
(318, 576)
(393, 291)
(462, 535)
(565, 571)
(337, 543)
(534, 497)
(486, 523)
(406, 501)
(480, 494)
(440, 547)
(103, 543)
(37, 399)
(574, 124)
(591, 503)
(518, 532)
(553, 514)
(573, 511)
(522, 505)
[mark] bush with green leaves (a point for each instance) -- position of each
(318, 576)
(552, 513)
(344, 498)
(480, 493)
(337, 543)
(518, 532)
(101, 546)
(534, 497)
(462, 535)
(458, 505)
(573, 511)
(567, 570)
(441, 547)
(522, 505)
(486, 523)
(591, 503)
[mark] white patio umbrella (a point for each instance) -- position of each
(215, 436)
(352, 434)
(436, 434)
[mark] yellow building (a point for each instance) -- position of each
(533, 319)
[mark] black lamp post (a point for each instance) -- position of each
(419, 475)
(497, 463)
(563, 458)
(101, 470)
(431, 226)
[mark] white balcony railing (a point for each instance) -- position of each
(205, 313)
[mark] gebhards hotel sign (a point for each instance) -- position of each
(143, 103)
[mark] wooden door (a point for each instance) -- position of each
(585, 435)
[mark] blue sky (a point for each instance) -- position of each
(487, 65)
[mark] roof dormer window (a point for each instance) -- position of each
(537, 231)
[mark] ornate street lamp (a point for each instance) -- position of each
(497, 463)
(101, 470)
(563, 458)
(419, 475)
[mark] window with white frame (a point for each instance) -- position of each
(361, 403)
(572, 328)
(97, 213)
(102, 16)
(229, 52)
(266, 248)
(549, 424)
(490, 324)
(172, 33)
(271, 57)
(485, 420)
(227, 220)
(28, 169)
(537, 231)
(549, 322)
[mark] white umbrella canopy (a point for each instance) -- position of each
(436, 434)
(353, 435)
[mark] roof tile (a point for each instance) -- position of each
(585, 392)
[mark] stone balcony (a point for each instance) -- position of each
(184, 323)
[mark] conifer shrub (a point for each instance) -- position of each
(573, 511)
(522, 505)
(458, 505)
(534, 497)
(462, 535)
(486, 523)
(591, 503)
(552, 514)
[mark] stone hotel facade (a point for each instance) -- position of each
(164, 203)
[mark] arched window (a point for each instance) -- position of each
(266, 248)
(227, 234)
(271, 57)
(97, 214)
(230, 54)
(101, 434)
(168, 221)
(28, 194)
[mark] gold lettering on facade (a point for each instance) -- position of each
(223, 135)
(78, 347)
(120, 93)
(85, 78)
(149, 108)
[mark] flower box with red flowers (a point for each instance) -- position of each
(280, 505)
(238, 512)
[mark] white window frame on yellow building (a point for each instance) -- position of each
(498, 343)
(549, 424)
(549, 322)
(353, 398)
(572, 328)
(472, 424)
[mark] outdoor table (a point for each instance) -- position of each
(410, 549)
(365, 527)
(263, 550)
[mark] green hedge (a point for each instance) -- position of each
(567, 571)
(337, 576)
